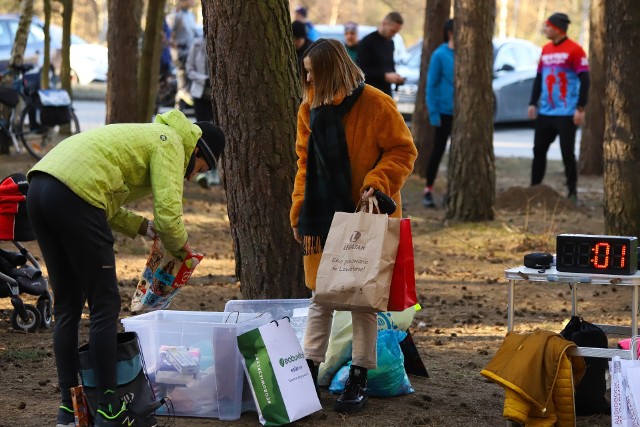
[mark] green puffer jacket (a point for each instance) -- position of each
(116, 164)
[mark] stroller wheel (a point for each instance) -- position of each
(30, 324)
(44, 307)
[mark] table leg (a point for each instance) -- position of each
(574, 297)
(510, 292)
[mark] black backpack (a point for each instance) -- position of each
(590, 393)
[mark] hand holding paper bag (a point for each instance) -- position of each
(357, 262)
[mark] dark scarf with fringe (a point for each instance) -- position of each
(328, 181)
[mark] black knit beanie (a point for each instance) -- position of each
(211, 143)
(560, 21)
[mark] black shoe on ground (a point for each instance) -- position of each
(427, 200)
(124, 417)
(573, 196)
(66, 418)
(314, 374)
(354, 397)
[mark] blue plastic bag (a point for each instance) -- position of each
(390, 378)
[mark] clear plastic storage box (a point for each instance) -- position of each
(192, 357)
(295, 309)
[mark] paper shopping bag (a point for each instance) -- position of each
(625, 392)
(402, 294)
(357, 262)
(163, 276)
(280, 380)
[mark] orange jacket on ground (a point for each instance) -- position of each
(538, 377)
(375, 132)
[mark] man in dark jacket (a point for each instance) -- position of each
(375, 54)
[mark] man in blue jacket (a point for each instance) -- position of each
(440, 106)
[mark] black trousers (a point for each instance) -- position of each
(442, 134)
(77, 245)
(547, 128)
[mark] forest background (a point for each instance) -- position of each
(515, 18)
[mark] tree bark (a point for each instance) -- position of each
(149, 68)
(436, 14)
(515, 16)
(502, 21)
(471, 172)
(65, 68)
(122, 36)
(591, 150)
(22, 33)
(46, 64)
(256, 94)
(621, 138)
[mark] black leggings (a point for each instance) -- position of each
(547, 128)
(442, 134)
(77, 245)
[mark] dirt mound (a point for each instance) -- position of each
(538, 196)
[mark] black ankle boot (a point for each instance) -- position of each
(354, 396)
(314, 374)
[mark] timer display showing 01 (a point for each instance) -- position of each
(583, 253)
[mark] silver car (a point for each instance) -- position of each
(515, 63)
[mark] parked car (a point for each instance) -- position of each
(35, 41)
(88, 60)
(515, 63)
(337, 32)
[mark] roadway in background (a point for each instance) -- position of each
(514, 140)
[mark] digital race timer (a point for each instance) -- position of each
(584, 253)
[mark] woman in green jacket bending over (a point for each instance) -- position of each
(76, 197)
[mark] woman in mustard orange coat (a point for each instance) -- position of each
(351, 141)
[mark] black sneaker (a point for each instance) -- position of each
(354, 396)
(123, 417)
(427, 200)
(66, 418)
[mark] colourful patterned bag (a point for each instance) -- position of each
(162, 278)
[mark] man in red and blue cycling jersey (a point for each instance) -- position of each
(558, 99)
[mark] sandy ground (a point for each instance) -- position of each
(461, 287)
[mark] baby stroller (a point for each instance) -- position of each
(19, 271)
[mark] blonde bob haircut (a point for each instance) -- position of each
(333, 72)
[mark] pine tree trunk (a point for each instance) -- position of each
(122, 36)
(471, 172)
(502, 21)
(149, 69)
(591, 156)
(65, 68)
(22, 33)
(621, 138)
(436, 14)
(46, 63)
(256, 93)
